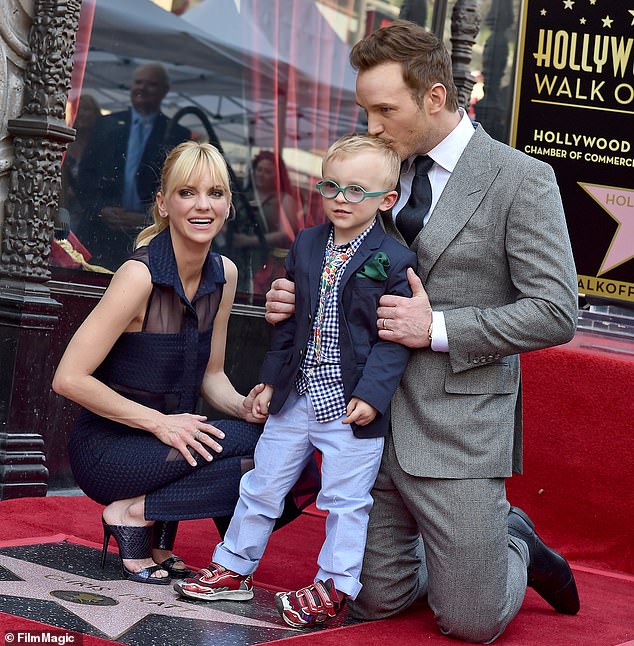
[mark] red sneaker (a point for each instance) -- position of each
(216, 583)
(314, 604)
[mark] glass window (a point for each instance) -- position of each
(269, 83)
(493, 67)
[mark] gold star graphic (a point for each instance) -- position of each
(568, 4)
(632, 12)
(543, 12)
(582, 21)
(593, 2)
(607, 22)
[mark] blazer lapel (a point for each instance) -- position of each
(371, 243)
(468, 184)
(315, 262)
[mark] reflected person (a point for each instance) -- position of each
(120, 169)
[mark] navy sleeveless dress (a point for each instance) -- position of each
(162, 367)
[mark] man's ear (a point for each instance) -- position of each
(388, 201)
(436, 97)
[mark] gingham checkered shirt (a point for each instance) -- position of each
(322, 380)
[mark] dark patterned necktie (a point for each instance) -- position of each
(409, 220)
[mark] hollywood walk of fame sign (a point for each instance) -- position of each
(122, 610)
(574, 108)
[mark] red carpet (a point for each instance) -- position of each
(607, 617)
(578, 411)
(578, 480)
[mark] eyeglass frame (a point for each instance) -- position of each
(343, 189)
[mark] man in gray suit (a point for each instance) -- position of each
(499, 279)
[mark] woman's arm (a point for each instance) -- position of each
(216, 389)
(122, 309)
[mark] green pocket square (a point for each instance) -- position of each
(376, 268)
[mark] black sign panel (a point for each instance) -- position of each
(574, 108)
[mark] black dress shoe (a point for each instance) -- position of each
(548, 573)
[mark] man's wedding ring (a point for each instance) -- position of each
(197, 435)
(383, 324)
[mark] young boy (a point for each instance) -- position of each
(328, 384)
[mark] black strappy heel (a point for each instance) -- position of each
(163, 537)
(134, 543)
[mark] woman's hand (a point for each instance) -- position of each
(184, 431)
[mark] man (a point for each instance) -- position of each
(120, 170)
(499, 279)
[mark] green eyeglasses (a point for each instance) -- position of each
(352, 193)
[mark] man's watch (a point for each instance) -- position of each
(429, 330)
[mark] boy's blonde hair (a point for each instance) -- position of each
(185, 164)
(356, 143)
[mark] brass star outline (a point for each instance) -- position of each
(135, 601)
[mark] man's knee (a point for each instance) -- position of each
(475, 623)
(381, 598)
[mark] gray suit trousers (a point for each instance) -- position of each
(473, 572)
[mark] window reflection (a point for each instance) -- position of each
(269, 83)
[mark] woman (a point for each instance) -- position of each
(279, 219)
(138, 364)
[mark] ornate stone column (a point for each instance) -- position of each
(28, 314)
(465, 25)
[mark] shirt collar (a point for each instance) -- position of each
(145, 119)
(354, 244)
(165, 271)
(448, 151)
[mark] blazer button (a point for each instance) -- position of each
(490, 357)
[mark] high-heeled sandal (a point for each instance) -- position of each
(134, 543)
(163, 537)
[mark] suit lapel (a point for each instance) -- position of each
(316, 259)
(468, 184)
(369, 245)
(155, 140)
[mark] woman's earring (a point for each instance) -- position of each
(163, 214)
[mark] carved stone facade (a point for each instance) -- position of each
(465, 25)
(40, 137)
(38, 40)
(15, 22)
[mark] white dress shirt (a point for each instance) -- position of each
(445, 156)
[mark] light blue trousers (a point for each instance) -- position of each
(348, 471)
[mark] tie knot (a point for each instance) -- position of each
(422, 164)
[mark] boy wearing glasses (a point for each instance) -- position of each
(328, 382)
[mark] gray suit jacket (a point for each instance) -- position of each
(495, 257)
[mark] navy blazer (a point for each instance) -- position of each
(101, 177)
(370, 367)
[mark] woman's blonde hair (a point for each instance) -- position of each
(186, 164)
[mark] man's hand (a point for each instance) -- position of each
(280, 301)
(406, 320)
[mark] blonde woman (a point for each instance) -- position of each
(137, 365)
